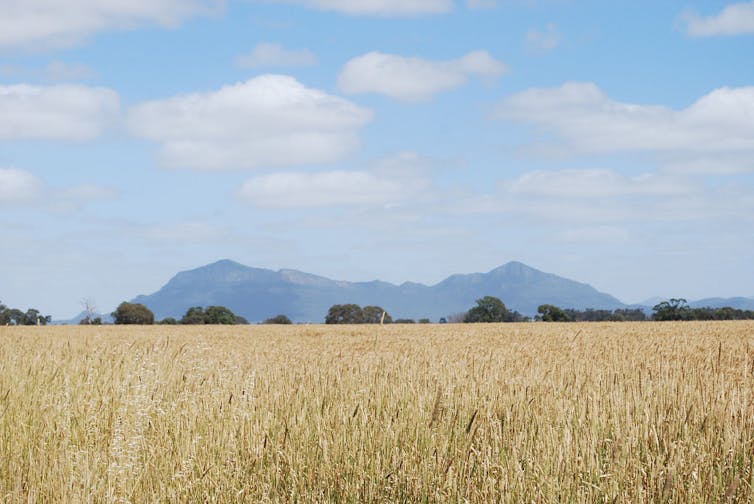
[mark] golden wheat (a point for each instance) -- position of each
(644, 412)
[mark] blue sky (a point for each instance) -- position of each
(609, 142)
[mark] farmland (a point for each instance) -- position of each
(627, 412)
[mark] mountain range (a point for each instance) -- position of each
(258, 294)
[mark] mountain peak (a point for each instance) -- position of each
(223, 263)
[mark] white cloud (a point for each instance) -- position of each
(387, 182)
(63, 112)
(589, 121)
(734, 19)
(595, 183)
(44, 24)
(21, 186)
(591, 199)
(18, 186)
(543, 41)
(335, 188)
(414, 79)
(275, 55)
(270, 120)
(378, 7)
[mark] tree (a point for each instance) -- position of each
(424, 321)
(345, 314)
(193, 316)
(674, 309)
(4, 314)
(278, 319)
(551, 313)
(16, 316)
(219, 315)
(488, 309)
(134, 314)
(168, 321)
(373, 315)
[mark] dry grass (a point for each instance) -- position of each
(519, 412)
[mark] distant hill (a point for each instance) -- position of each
(258, 294)
(106, 319)
(740, 303)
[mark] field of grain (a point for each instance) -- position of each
(645, 412)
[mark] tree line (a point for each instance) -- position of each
(488, 309)
(14, 316)
(139, 314)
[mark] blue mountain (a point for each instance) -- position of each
(258, 294)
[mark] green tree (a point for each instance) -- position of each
(193, 316)
(168, 321)
(551, 313)
(487, 309)
(33, 317)
(674, 309)
(4, 314)
(16, 316)
(278, 319)
(134, 314)
(373, 315)
(345, 314)
(219, 315)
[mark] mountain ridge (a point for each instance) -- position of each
(257, 293)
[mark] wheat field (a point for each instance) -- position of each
(533, 412)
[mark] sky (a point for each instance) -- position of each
(401, 140)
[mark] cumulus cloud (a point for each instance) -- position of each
(63, 112)
(589, 121)
(43, 24)
(414, 79)
(378, 7)
(275, 55)
(389, 181)
(543, 41)
(18, 186)
(267, 121)
(734, 19)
